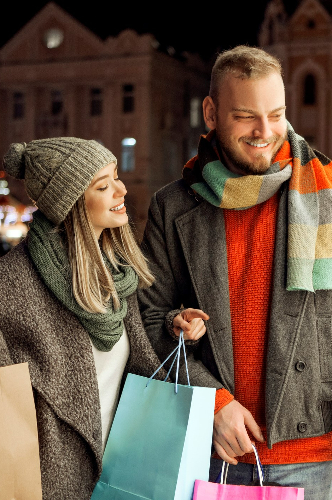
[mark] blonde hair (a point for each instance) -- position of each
(93, 285)
(243, 62)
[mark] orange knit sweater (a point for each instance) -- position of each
(250, 236)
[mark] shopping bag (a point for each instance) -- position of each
(221, 491)
(160, 440)
(20, 477)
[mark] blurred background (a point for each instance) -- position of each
(134, 79)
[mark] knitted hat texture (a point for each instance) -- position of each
(56, 171)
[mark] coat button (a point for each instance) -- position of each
(300, 366)
(301, 426)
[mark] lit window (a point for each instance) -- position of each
(53, 38)
(18, 105)
(128, 154)
(128, 98)
(195, 112)
(57, 102)
(96, 102)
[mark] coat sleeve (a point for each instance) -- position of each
(143, 360)
(166, 296)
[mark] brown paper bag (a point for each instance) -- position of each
(19, 451)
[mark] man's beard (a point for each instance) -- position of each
(260, 164)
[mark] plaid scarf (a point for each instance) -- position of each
(309, 246)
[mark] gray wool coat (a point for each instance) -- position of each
(36, 328)
(185, 244)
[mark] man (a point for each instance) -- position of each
(241, 246)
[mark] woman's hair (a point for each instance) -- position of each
(93, 284)
(243, 62)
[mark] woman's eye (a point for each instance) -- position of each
(103, 188)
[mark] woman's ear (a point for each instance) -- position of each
(209, 113)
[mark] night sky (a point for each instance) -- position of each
(206, 29)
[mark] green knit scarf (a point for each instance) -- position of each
(50, 257)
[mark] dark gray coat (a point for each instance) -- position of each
(36, 328)
(185, 243)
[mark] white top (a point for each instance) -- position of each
(110, 366)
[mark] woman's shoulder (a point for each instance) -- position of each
(16, 266)
(17, 256)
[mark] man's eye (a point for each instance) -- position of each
(243, 117)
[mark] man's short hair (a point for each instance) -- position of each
(243, 62)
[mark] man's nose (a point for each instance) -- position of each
(262, 129)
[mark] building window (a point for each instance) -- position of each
(195, 112)
(96, 102)
(128, 98)
(128, 154)
(309, 96)
(56, 102)
(18, 105)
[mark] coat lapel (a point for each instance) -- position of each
(202, 235)
(287, 311)
(65, 376)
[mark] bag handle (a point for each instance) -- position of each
(222, 476)
(177, 352)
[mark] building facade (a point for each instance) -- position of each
(302, 39)
(57, 78)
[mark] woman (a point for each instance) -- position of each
(68, 305)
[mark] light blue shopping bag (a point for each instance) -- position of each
(160, 440)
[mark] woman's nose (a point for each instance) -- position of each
(121, 189)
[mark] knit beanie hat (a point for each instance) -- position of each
(56, 171)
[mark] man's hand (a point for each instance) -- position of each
(191, 322)
(230, 436)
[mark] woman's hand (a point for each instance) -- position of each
(191, 321)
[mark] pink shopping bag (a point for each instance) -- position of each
(204, 490)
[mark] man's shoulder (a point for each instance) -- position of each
(173, 189)
(174, 198)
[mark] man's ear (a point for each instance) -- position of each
(209, 113)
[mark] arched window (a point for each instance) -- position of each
(309, 95)
(128, 154)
